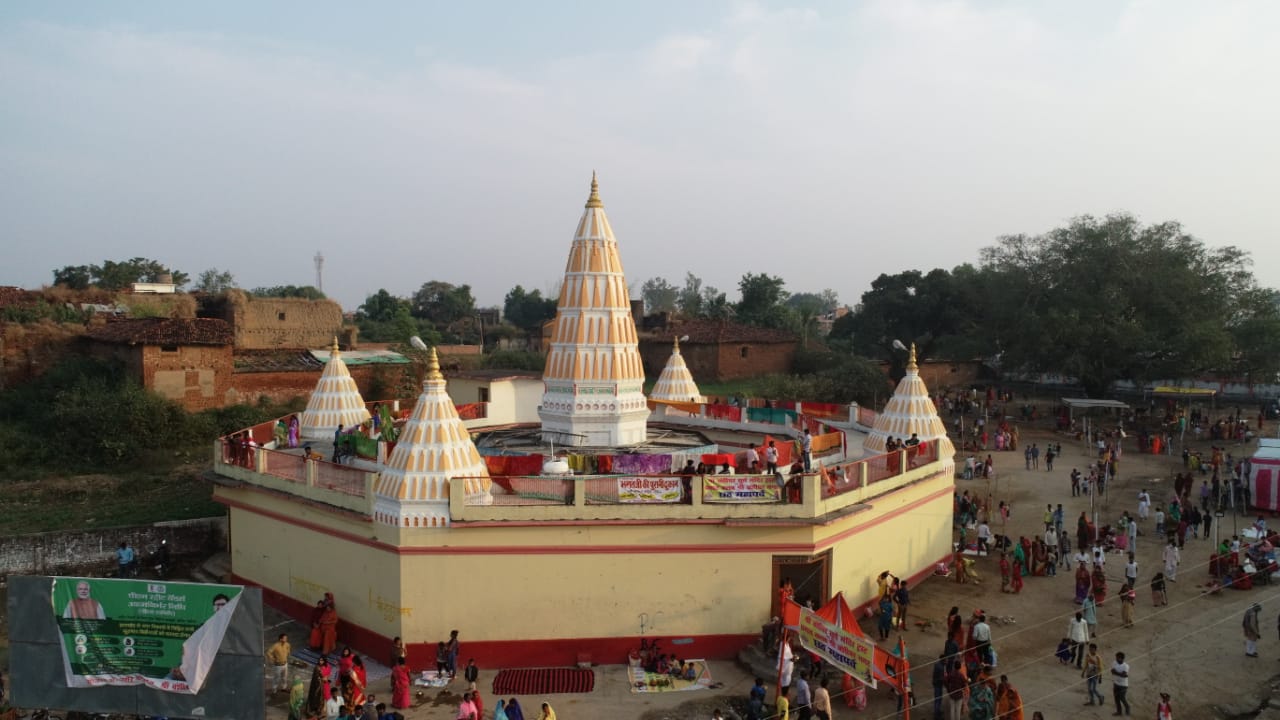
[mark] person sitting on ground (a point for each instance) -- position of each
(726, 470)
(1064, 652)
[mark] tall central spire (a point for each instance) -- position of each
(593, 384)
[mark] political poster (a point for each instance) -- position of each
(649, 489)
(740, 489)
(852, 653)
(141, 632)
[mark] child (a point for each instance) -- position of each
(1064, 652)
(1158, 596)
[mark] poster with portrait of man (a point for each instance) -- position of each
(164, 635)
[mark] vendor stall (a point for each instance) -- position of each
(1264, 475)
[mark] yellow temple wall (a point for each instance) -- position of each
(542, 593)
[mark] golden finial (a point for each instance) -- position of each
(335, 344)
(676, 347)
(593, 200)
(911, 361)
(433, 366)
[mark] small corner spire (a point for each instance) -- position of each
(593, 200)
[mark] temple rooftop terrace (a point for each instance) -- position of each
(622, 490)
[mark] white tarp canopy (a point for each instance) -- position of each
(1086, 403)
(1264, 475)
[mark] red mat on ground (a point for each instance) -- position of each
(543, 681)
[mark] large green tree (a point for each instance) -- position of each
(762, 301)
(659, 295)
(940, 311)
(1106, 299)
(117, 274)
(443, 303)
(214, 281)
(527, 310)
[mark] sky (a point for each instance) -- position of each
(825, 143)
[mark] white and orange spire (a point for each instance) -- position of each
(335, 401)
(434, 448)
(593, 383)
(909, 411)
(676, 382)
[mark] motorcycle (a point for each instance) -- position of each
(159, 560)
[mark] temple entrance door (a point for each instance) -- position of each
(810, 575)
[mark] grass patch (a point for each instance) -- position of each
(98, 501)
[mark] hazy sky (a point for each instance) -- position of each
(825, 142)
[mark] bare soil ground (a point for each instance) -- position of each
(1192, 649)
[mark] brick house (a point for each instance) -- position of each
(718, 350)
(186, 360)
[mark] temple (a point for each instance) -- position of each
(676, 382)
(622, 541)
(433, 448)
(594, 379)
(909, 412)
(335, 401)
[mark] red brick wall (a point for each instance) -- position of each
(247, 387)
(761, 359)
(943, 374)
(713, 363)
(196, 376)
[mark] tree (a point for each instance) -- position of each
(1255, 330)
(528, 310)
(214, 281)
(381, 306)
(306, 292)
(74, 277)
(690, 298)
(762, 301)
(941, 312)
(117, 275)
(1109, 299)
(659, 295)
(443, 303)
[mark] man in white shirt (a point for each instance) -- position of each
(753, 460)
(1120, 683)
(982, 636)
(1078, 635)
(984, 537)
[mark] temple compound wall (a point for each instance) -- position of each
(543, 593)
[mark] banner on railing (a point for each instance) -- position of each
(853, 654)
(649, 489)
(740, 489)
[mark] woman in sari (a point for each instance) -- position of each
(1005, 570)
(400, 685)
(294, 429)
(982, 702)
(359, 680)
(328, 629)
(1020, 556)
(280, 433)
(1039, 558)
(500, 711)
(1099, 585)
(513, 710)
(399, 651)
(958, 567)
(297, 700)
(955, 627)
(547, 712)
(1008, 701)
(346, 660)
(317, 612)
(1082, 582)
(318, 693)
(1026, 555)
(1015, 582)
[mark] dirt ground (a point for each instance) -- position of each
(1192, 649)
